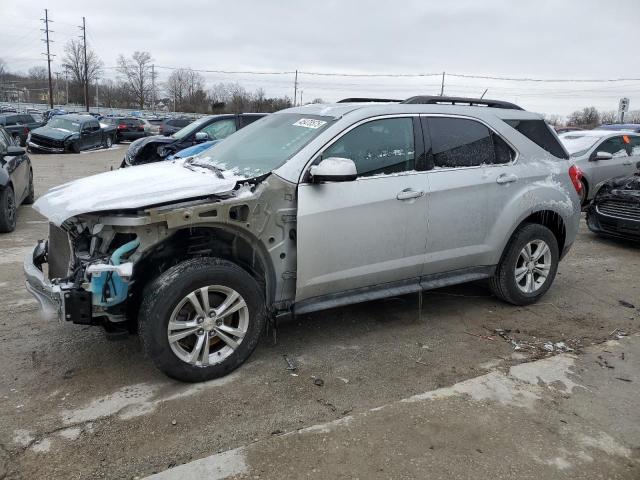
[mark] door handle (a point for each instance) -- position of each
(408, 194)
(506, 178)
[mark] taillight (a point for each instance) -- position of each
(26, 130)
(576, 175)
(122, 126)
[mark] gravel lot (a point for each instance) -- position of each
(75, 405)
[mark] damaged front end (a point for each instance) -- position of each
(82, 273)
(615, 210)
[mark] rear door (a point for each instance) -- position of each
(370, 231)
(465, 188)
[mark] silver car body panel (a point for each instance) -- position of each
(597, 172)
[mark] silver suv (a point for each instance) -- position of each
(307, 209)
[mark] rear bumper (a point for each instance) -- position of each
(35, 146)
(612, 226)
(50, 296)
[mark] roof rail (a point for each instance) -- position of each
(474, 102)
(365, 100)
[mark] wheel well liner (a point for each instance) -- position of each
(553, 221)
(227, 243)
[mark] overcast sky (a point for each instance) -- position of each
(573, 39)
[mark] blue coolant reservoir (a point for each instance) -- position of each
(110, 281)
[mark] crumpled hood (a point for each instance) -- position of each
(127, 188)
(54, 133)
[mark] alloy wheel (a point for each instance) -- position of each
(533, 266)
(208, 325)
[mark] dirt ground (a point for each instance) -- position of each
(75, 405)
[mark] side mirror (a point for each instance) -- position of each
(601, 156)
(201, 137)
(334, 169)
(13, 151)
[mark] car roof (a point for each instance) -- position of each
(596, 132)
(366, 109)
(78, 117)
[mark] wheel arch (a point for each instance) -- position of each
(226, 242)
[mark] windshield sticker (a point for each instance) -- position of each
(309, 123)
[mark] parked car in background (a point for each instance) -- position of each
(601, 155)
(213, 127)
(169, 126)
(615, 210)
(631, 127)
(155, 123)
(49, 114)
(127, 128)
(310, 208)
(16, 180)
(70, 133)
(194, 150)
(560, 130)
(18, 125)
(146, 125)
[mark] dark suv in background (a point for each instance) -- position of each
(18, 125)
(213, 127)
(127, 128)
(169, 126)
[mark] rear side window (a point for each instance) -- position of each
(539, 133)
(460, 142)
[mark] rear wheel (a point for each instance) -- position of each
(7, 209)
(528, 265)
(201, 319)
(108, 142)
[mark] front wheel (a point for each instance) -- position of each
(528, 266)
(31, 194)
(75, 147)
(201, 319)
(108, 142)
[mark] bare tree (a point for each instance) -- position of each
(588, 117)
(73, 62)
(609, 117)
(137, 75)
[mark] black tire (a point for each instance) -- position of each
(75, 147)
(108, 141)
(8, 209)
(503, 283)
(161, 297)
(31, 195)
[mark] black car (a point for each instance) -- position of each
(18, 125)
(16, 180)
(615, 210)
(71, 133)
(127, 128)
(214, 127)
(169, 126)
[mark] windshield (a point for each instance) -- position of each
(64, 124)
(190, 129)
(577, 144)
(265, 144)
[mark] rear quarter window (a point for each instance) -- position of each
(539, 133)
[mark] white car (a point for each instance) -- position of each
(602, 155)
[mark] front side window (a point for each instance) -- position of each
(220, 129)
(615, 146)
(460, 142)
(635, 145)
(378, 147)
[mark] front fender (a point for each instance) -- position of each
(543, 196)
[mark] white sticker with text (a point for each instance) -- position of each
(309, 123)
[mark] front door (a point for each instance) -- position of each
(621, 163)
(370, 231)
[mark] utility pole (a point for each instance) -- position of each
(301, 92)
(48, 54)
(295, 89)
(442, 86)
(86, 69)
(153, 88)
